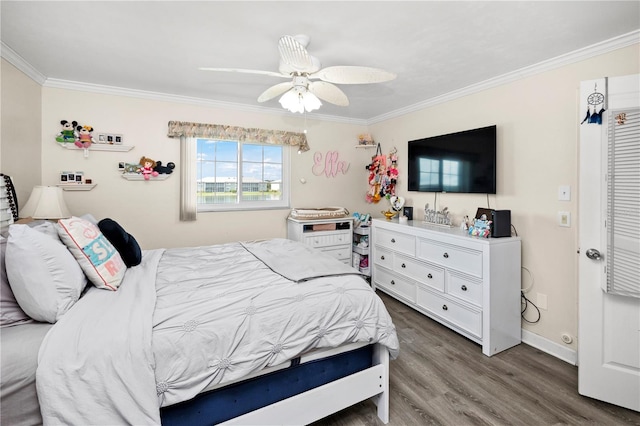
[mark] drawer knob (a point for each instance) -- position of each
(429, 276)
(393, 240)
(446, 255)
(404, 266)
(464, 288)
(381, 257)
(444, 307)
(393, 282)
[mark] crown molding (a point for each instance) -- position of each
(18, 61)
(601, 48)
(166, 97)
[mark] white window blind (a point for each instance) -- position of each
(623, 203)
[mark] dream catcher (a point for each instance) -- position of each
(594, 101)
(383, 175)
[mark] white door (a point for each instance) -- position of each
(609, 323)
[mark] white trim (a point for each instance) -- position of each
(18, 61)
(545, 345)
(600, 48)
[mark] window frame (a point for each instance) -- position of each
(240, 205)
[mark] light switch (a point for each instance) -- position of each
(564, 193)
(564, 219)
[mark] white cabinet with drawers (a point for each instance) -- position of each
(332, 236)
(470, 284)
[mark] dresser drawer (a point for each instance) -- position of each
(461, 316)
(341, 253)
(383, 257)
(465, 289)
(430, 275)
(393, 283)
(399, 242)
(319, 239)
(450, 256)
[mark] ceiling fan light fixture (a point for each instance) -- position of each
(296, 100)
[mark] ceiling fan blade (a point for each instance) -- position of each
(328, 92)
(274, 91)
(240, 70)
(294, 54)
(353, 75)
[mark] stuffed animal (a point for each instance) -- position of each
(164, 170)
(146, 168)
(85, 139)
(68, 132)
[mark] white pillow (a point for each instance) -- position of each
(45, 278)
(97, 257)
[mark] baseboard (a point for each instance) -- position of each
(545, 345)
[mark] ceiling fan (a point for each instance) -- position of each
(308, 81)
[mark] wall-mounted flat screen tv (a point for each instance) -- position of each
(462, 162)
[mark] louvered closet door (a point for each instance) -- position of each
(623, 203)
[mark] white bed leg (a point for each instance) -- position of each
(381, 356)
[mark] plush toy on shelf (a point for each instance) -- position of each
(68, 132)
(164, 170)
(146, 168)
(85, 138)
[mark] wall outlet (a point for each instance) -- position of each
(564, 219)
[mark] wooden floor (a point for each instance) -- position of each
(442, 378)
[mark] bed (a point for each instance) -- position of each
(260, 332)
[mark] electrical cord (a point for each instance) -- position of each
(525, 305)
(526, 290)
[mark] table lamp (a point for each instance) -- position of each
(45, 202)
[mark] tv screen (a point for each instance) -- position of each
(463, 162)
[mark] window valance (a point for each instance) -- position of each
(178, 129)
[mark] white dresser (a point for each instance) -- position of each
(470, 284)
(332, 236)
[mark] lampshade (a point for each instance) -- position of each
(300, 99)
(45, 202)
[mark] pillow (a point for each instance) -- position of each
(124, 242)
(95, 254)
(10, 311)
(45, 278)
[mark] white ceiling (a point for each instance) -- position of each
(435, 47)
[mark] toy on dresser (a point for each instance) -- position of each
(481, 227)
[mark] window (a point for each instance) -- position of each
(234, 175)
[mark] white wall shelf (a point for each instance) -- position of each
(137, 176)
(77, 186)
(366, 146)
(97, 147)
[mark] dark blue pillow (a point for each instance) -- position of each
(124, 242)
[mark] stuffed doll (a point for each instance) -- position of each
(146, 168)
(68, 132)
(84, 139)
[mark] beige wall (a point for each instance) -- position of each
(20, 146)
(538, 121)
(149, 210)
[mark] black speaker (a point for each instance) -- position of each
(408, 212)
(501, 226)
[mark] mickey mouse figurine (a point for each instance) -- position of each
(85, 139)
(68, 132)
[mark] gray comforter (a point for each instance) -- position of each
(188, 319)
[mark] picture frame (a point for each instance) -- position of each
(117, 139)
(102, 138)
(110, 139)
(79, 176)
(64, 177)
